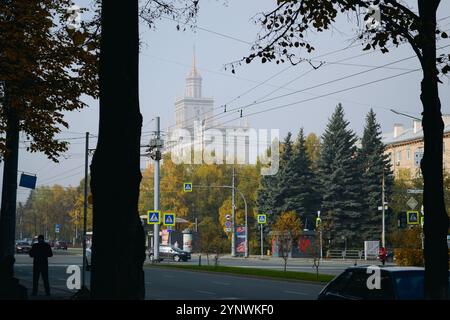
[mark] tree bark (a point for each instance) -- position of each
(118, 250)
(436, 221)
(9, 191)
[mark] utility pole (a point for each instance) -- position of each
(85, 207)
(233, 226)
(155, 153)
(383, 232)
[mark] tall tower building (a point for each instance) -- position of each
(193, 107)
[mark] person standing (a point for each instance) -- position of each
(40, 252)
(383, 255)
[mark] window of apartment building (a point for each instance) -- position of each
(408, 153)
(418, 155)
(399, 156)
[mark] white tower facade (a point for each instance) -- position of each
(193, 106)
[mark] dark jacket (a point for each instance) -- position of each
(41, 251)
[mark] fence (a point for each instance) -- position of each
(346, 254)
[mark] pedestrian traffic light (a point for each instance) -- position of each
(318, 222)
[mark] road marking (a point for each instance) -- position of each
(205, 292)
(221, 283)
(295, 292)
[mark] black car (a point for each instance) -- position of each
(171, 253)
(60, 245)
(396, 283)
(23, 247)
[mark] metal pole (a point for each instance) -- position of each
(233, 227)
(156, 196)
(382, 210)
(262, 243)
(321, 245)
(320, 235)
(85, 206)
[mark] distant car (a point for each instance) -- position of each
(60, 245)
(396, 283)
(88, 258)
(171, 253)
(23, 247)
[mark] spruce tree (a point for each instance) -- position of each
(374, 164)
(284, 183)
(297, 184)
(340, 180)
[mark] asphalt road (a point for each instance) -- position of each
(174, 284)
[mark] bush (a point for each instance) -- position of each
(409, 257)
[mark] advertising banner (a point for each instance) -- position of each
(240, 239)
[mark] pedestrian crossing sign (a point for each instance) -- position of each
(262, 218)
(153, 217)
(169, 219)
(187, 187)
(412, 217)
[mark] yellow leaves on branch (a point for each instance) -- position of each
(288, 224)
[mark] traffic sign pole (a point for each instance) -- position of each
(383, 232)
(262, 243)
(233, 228)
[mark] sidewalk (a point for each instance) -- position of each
(290, 260)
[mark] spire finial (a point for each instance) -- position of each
(194, 63)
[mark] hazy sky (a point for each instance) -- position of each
(166, 57)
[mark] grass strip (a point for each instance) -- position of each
(266, 273)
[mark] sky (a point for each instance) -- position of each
(225, 31)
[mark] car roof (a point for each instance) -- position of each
(390, 268)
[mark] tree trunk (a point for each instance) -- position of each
(9, 191)
(118, 250)
(436, 220)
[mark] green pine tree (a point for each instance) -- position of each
(340, 180)
(297, 185)
(374, 164)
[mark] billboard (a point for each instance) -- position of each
(240, 239)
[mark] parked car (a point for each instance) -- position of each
(88, 258)
(60, 245)
(171, 253)
(23, 247)
(396, 283)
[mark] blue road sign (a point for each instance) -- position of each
(57, 228)
(153, 217)
(262, 218)
(169, 219)
(187, 187)
(27, 181)
(228, 224)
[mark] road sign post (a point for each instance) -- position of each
(169, 221)
(262, 220)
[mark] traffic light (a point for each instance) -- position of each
(402, 220)
(318, 222)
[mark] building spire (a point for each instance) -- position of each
(194, 72)
(194, 64)
(194, 80)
